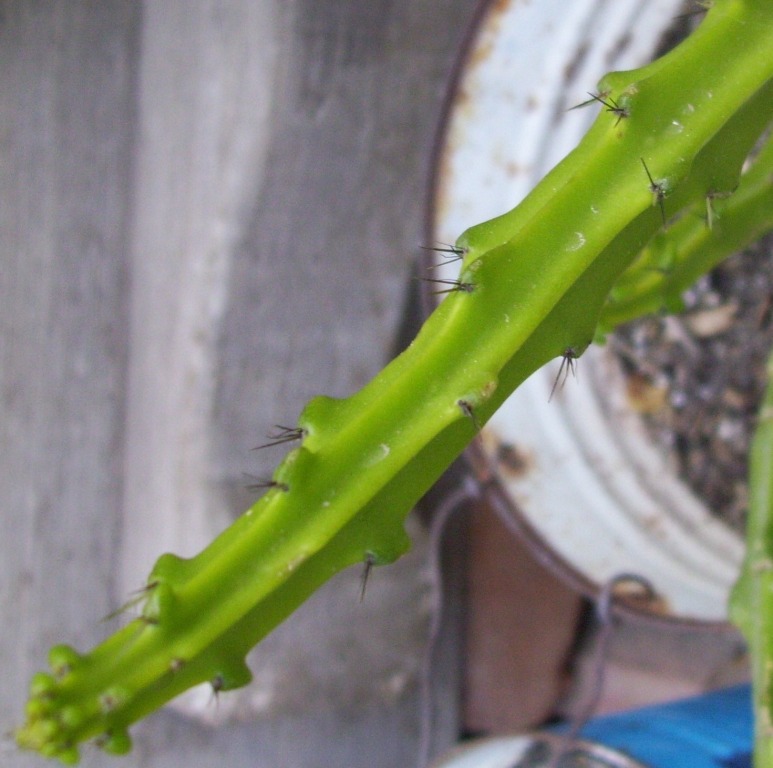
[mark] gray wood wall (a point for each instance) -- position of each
(208, 213)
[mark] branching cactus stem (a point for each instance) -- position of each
(703, 236)
(531, 286)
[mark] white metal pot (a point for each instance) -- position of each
(579, 472)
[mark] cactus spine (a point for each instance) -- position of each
(532, 285)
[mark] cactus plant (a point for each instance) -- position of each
(533, 285)
(750, 602)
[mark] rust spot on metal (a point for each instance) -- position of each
(532, 103)
(515, 169)
(480, 53)
(489, 33)
(512, 461)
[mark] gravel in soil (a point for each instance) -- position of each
(698, 378)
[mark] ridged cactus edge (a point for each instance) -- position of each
(532, 286)
(752, 600)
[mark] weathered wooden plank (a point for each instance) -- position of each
(209, 214)
(67, 104)
(323, 232)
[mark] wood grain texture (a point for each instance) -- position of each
(209, 213)
(67, 103)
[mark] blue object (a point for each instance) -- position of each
(710, 731)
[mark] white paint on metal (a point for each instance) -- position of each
(597, 490)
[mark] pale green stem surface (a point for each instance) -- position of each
(751, 603)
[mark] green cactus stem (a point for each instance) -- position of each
(751, 603)
(704, 235)
(532, 285)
